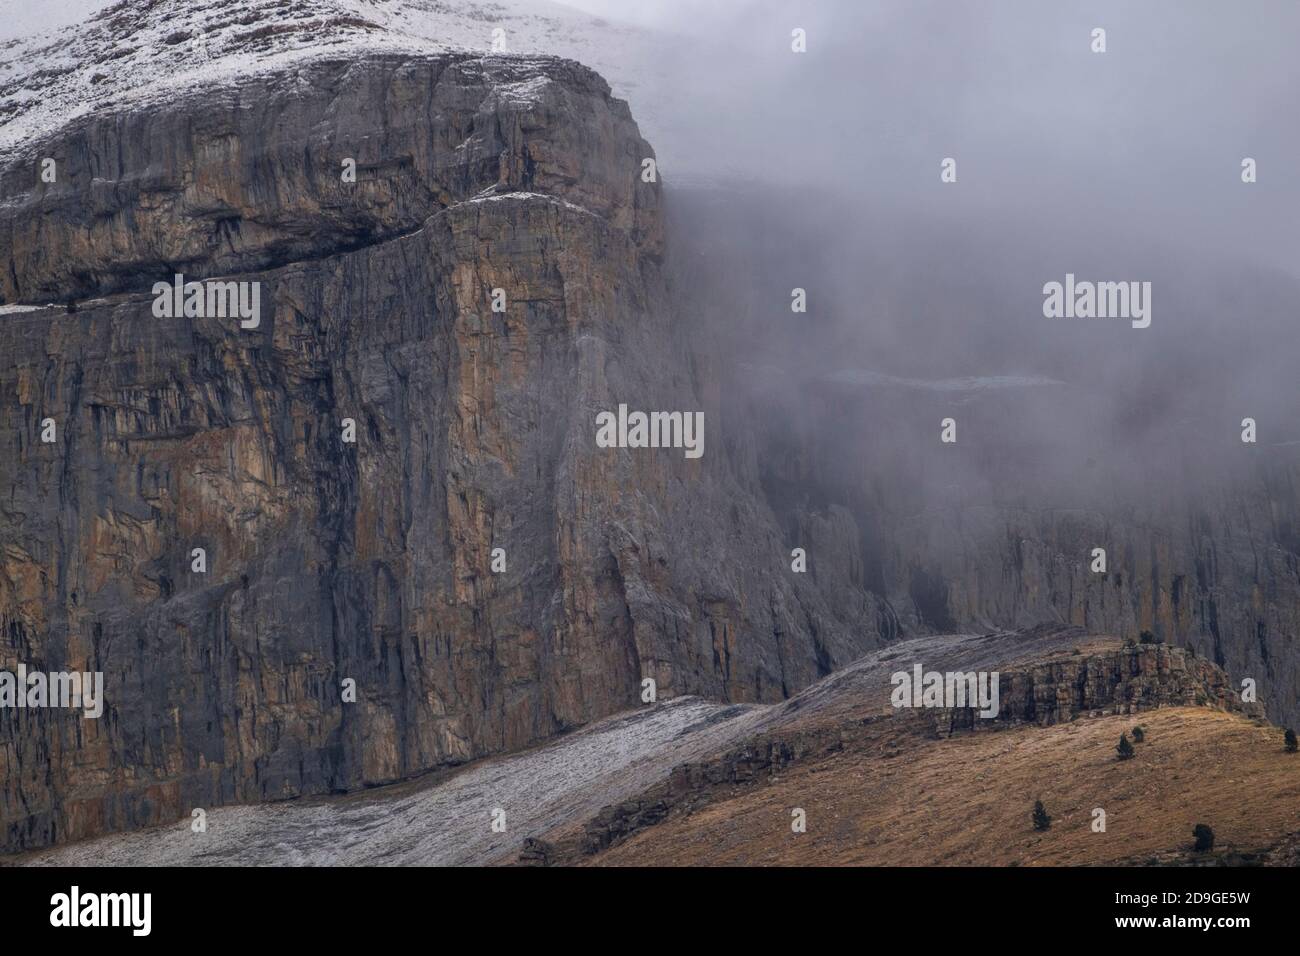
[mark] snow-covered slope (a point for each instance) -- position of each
(134, 52)
(450, 822)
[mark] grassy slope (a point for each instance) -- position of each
(967, 799)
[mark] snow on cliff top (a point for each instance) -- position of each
(134, 52)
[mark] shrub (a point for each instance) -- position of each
(1139, 735)
(1041, 820)
(1124, 748)
(1289, 737)
(1146, 637)
(1204, 836)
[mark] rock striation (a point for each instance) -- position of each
(1125, 681)
(369, 562)
(975, 536)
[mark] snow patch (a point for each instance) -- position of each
(494, 197)
(133, 54)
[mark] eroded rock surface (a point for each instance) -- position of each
(370, 561)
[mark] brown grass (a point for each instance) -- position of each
(967, 800)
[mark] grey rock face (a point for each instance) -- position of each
(249, 175)
(964, 536)
(371, 561)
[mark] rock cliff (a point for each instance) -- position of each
(329, 561)
(1201, 548)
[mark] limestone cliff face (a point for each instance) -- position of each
(330, 561)
(973, 535)
(248, 175)
(1214, 577)
(368, 561)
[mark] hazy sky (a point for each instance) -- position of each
(1146, 138)
(1115, 166)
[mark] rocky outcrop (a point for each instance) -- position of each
(1127, 681)
(535, 853)
(693, 784)
(327, 561)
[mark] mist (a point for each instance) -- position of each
(925, 299)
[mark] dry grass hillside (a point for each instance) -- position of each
(912, 800)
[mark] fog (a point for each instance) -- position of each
(821, 170)
(1146, 138)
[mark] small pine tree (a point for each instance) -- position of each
(1124, 748)
(1289, 737)
(1204, 836)
(1139, 735)
(1041, 819)
(1146, 637)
